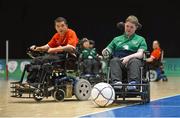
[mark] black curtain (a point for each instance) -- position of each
(28, 22)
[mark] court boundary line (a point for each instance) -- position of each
(126, 106)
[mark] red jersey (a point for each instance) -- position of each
(69, 38)
(156, 53)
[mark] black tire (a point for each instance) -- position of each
(59, 95)
(38, 95)
(82, 89)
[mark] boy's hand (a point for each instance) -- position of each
(125, 60)
(33, 47)
(105, 53)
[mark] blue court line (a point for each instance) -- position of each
(166, 107)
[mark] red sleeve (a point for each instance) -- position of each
(72, 39)
(156, 54)
(52, 43)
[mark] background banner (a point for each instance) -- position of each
(16, 66)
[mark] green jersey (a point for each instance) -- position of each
(89, 53)
(123, 43)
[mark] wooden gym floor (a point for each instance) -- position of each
(18, 107)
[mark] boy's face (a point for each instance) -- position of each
(155, 45)
(86, 44)
(61, 27)
(130, 28)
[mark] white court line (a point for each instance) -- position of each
(166, 97)
(125, 106)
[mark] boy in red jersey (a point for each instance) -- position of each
(156, 53)
(64, 40)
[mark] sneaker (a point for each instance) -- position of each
(117, 85)
(87, 75)
(130, 88)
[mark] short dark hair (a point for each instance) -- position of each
(83, 40)
(60, 19)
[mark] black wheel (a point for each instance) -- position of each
(38, 95)
(82, 89)
(59, 95)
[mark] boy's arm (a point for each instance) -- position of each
(67, 48)
(43, 48)
(150, 59)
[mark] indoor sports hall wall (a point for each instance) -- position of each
(16, 66)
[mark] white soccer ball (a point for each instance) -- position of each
(102, 94)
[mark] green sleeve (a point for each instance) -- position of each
(85, 54)
(143, 45)
(111, 46)
(93, 53)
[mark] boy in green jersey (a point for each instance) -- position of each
(126, 51)
(89, 57)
